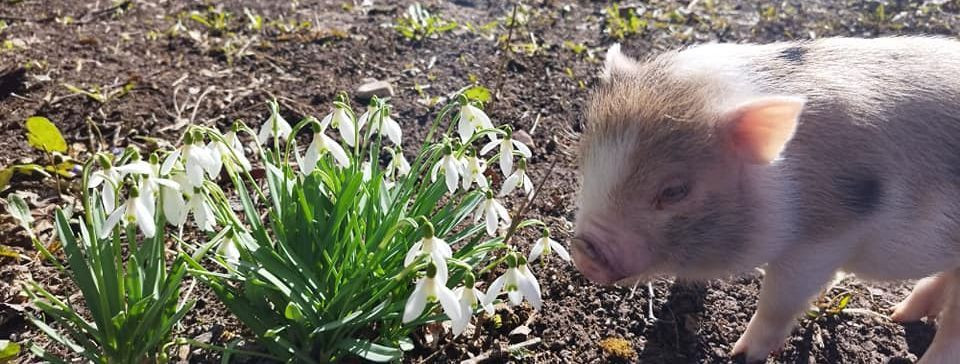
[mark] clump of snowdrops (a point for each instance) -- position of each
(343, 247)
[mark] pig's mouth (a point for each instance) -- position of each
(593, 263)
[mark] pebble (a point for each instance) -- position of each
(373, 88)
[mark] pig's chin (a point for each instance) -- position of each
(600, 272)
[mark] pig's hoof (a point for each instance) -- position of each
(761, 339)
(926, 300)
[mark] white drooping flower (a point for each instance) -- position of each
(151, 181)
(451, 169)
(387, 126)
(275, 125)
(472, 119)
(198, 206)
(518, 282)
(473, 169)
(339, 119)
(231, 151)
(320, 146)
(109, 178)
(520, 179)
(507, 145)
(228, 248)
(493, 212)
(174, 206)
(470, 298)
(198, 160)
(132, 211)
(432, 288)
(437, 249)
(544, 246)
(398, 163)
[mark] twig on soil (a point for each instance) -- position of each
(526, 206)
(486, 355)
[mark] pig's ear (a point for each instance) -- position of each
(760, 129)
(616, 63)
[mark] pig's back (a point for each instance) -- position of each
(877, 150)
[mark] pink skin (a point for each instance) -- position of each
(606, 253)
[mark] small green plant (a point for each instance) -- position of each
(418, 23)
(255, 21)
(214, 19)
(132, 299)
(44, 136)
(576, 48)
(621, 24)
(101, 94)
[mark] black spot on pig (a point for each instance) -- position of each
(859, 192)
(795, 54)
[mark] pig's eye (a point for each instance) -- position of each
(672, 194)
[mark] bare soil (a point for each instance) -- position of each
(540, 84)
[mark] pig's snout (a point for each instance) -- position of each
(592, 263)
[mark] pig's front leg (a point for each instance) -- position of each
(788, 288)
(945, 347)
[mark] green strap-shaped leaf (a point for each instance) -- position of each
(44, 135)
(370, 351)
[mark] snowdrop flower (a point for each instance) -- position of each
(472, 119)
(518, 282)
(473, 169)
(507, 145)
(451, 169)
(432, 288)
(518, 178)
(150, 180)
(197, 160)
(387, 126)
(109, 177)
(131, 211)
(341, 120)
(320, 146)
(398, 163)
(202, 213)
(174, 206)
(275, 125)
(231, 151)
(228, 248)
(545, 245)
(470, 298)
(436, 248)
(493, 211)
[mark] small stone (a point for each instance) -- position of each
(370, 89)
(520, 332)
(523, 137)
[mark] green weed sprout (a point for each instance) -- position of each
(346, 248)
(417, 23)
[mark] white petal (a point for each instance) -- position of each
(362, 120)
(510, 184)
(174, 207)
(194, 172)
(451, 172)
(528, 285)
(144, 219)
(433, 171)
(96, 178)
(441, 247)
(168, 163)
(522, 148)
(345, 125)
(494, 290)
(527, 187)
(138, 167)
(464, 127)
(283, 127)
(491, 219)
(216, 159)
(506, 158)
(442, 270)
(313, 154)
(169, 183)
(502, 212)
(393, 131)
(466, 310)
(339, 155)
(109, 196)
(230, 252)
(449, 303)
(111, 222)
(412, 253)
(536, 250)
(265, 130)
(482, 298)
(487, 148)
(415, 304)
(403, 167)
(561, 251)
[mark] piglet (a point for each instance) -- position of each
(804, 158)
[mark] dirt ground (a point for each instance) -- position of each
(540, 58)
